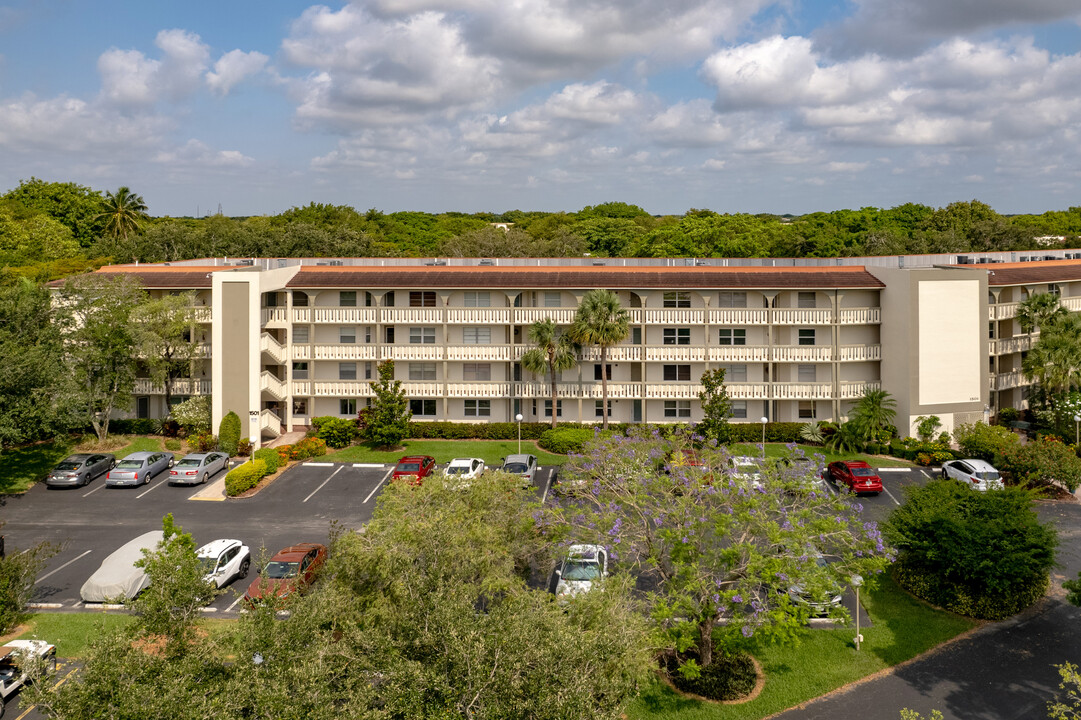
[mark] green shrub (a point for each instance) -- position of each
(193, 415)
(983, 441)
(244, 477)
(336, 432)
(975, 551)
(270, 456)
(229, 433)
(244, 447)
(1008, 415)
(203, 442)
(172, 444)
(1043, 462)
(565, 440)
(728, 677)
(135, 426)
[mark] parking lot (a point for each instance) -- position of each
(91, 522)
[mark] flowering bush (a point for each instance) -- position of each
(203, 442)
(307, 448)
(1043, 462)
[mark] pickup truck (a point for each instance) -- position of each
(12, 658)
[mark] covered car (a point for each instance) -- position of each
(118, 577)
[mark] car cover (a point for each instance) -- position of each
(118, 577)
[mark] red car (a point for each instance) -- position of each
(290, 570)
(414, 468)
(856, 474)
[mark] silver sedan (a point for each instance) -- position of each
(197, 468)
(139, 468)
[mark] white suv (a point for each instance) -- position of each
(977, 474)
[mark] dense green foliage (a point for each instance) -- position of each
(984, 442)
(244, 477)
(716, 407)
(730, 676)
(229, 433)
(387, 420)
(270, 456)
(1041, 463)
(336, 432)
(565, 440)
(18, 568)
(981, 554)
(193, 415)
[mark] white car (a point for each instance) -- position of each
(464, 469)
(977, 474)
(12, 659)
(747, 469)
(583, 566)
(224, 560)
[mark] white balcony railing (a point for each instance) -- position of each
(1008, 380)
(848, 353)
(684, 316)
(272, 385)
(1005, 346)
(802, 353)
(675, 353)
(337, 315)
(860, 316)
(747, 391)
(181, 386)
(1002, 311)
(479, 316)
(273, 348)
(792, 316)
(342, 352)
(479, 389)
(528, 316)
(201, 314)
(739, 353)
(736, 316)
(616, 353)
(411, 352)
(275, 316)
(302, 352)
(470, 353)
(802, 391)
(394, 316)
(850, 390)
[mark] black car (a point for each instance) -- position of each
(78, 470)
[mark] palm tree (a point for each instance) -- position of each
(873, 415)
(552, 351)
(1055, 359)
(1039, 311)
(603, 322)
(123, 212)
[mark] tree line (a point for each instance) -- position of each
(55, 228)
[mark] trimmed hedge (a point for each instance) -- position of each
(565, 440)
(961, 600)
(135, 426)
(336, 432)
(728, 677)
(229, 433)
(244, 477)
(271, 457)
(442, 430)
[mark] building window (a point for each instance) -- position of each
(732, 299)
(477, 335)
(347, 406)
(369, 299)
(300, 371)
(368, 371)
(422, 335)
(807, 373)
(271, 299)
(347, 371)
(677, 299)
(388, 334)
(677, 373)
(732, 336)
(677, 408)
(300, 299)
(552, 299)
(478, 408)
(807, 409)
(388, 299)
(734, 372)
(347, 335)
(421, 371)
(478, 299)
(991, 330)
(1053, 289)
(548, 408)
(739, 408)
(597, 371)
(598, 408)
(422, 406)
(677, 336)
(300, 334)
(422, 298)
(476, 371)
(806, 336)
(368, 334)
(347, 298)
(805, 300)
(300, 407)
(636, 336)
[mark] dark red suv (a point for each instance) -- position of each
(414, 468)
(856, 474)
(291, 570)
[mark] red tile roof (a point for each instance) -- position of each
(1029, 273)
(164, 276)
(584, 277)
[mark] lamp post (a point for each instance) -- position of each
(857, 580)
(1077, 429)
(763, 420)
(518, 418)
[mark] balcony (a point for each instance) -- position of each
(802, 391)
(1005, 346)
(790, 316)
(336, 315)
(685, 316)
(528, 316)
(1073, 304)
(1008, 380)
(411, 352)
(479, 389)
(852, 390)
(860, 316)
(270, 384)
(616, 353)
(802, 353)
(272, 348)
(1002, 311)
(181, 386)
(275, 316)
(675, 353)
(738, 316)
(747, 391)
(340, 352)
(201, 313)
(394, 316)
(471, 353)
(479, 316)
(739, 353)
(855, 353)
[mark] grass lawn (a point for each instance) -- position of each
(778, 449)
(491, 451)
(71, 632)
(22, 467)
(824, 660)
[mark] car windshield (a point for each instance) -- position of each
(457, 469)
(207, 565)
(281, 570)
(515, 467)
(408, 467)
(186, 462)
(988, 475)
(580, 570)
(863, 472)
(129, 464)
(67, 465)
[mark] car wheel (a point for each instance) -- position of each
(244, 567)
(203, 481)
(146, 479)
(50, 665)
(945, 475)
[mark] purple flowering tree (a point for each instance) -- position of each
(724, 551)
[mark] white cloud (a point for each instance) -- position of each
(232, 68)
(64, 125)
(130, 78)
(197, 153)
(847, 167)
(689, 124)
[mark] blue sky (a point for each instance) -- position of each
(484, 105)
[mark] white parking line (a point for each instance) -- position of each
(368, 465)
(69, 562)
(44, 606)
(99, 487)
(890, 494)
(208, 609)
(152, 487)
(378, 486)
(547, 484)
(238, 599)
(323, 483)
(318, 464)
(894, 469)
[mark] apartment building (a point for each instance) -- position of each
(800, 340)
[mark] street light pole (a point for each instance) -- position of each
(518, 417)
(764, 420)
(857, 580)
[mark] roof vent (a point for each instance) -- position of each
(436, 262)
(1049, 257)
(598, 262)
(964, 260)
(486, 261)
(700, 263)
(336, 262)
